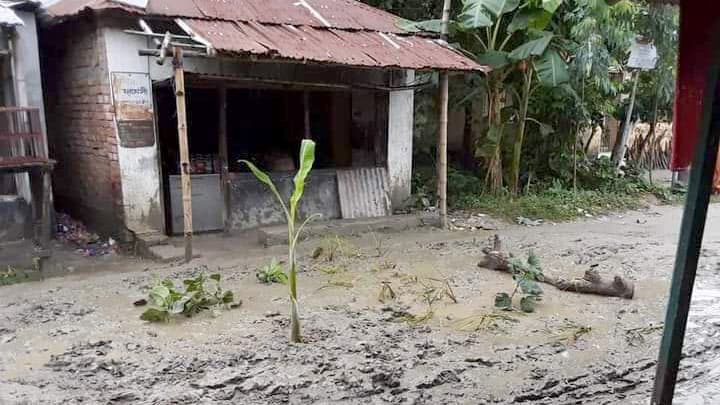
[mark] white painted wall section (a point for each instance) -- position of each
(28, 85)
(139, 168)
(400, 141)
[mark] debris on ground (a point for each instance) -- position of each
(528, 222)
(461, 221)
(87, 243)
(636, 336)
(592, 281)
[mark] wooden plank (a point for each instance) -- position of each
(184, 150)
(223, 157)
(691, 235)
(46, 209)
(306, 115)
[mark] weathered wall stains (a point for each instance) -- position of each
(15, 219)
(139, 171)
(254, 205)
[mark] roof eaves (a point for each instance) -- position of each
(8, 18)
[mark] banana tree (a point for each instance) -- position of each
(307, 158)
(539, 65)
(511, 39)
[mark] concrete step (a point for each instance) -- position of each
(155, 246)
(277, 234)
(165, 253)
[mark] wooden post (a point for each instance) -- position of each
(442, 150)
(443, 130)
(620, 146)
(184, 150)
(306, 114)
(223, 157)
(691, 236)
(45, 214)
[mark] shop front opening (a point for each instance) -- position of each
(265, 126)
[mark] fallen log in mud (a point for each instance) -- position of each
(591, 282)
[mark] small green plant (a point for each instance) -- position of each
(272, 273)
(9, 276)
(526, 276)
(307, 158)
(199, 294)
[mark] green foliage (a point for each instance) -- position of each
(10, 276)
(554, 204)
(307, 159)
(551, 69)
(559, 71)
(526, 274)
(272, 273)
(198, 294)
(534, 47)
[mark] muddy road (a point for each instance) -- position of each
(78, 339)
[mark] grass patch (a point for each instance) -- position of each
(550, 205)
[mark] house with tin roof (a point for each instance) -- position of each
(260, 76)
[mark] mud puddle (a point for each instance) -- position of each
(79, 340)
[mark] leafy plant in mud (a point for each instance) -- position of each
(272, 273)
(526, 275)
(9, 276)
(199, 294)
(307, 158)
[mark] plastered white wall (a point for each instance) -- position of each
(139, 168)
(28, 85)
(400, 141)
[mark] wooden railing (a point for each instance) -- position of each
(22, 142)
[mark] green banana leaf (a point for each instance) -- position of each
(551, 5)
(551, 69)
(307, 159)
(535, 47)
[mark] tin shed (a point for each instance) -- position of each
(272, 73)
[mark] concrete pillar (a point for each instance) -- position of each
(400, 139)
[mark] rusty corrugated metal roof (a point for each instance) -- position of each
(324, 31)
(339, 14)
(68, 8)
(329, 45)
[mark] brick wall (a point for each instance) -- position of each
(81, 131)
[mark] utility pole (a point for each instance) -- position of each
(443, 130)
(184, 150)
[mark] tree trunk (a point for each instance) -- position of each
(494, 177)
(468, 155)
(591, 282)
(621, 143)
(586, 148)
(522, 121)
(651, 133)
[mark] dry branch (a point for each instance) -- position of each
(591, 282)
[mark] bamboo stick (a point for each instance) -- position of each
(184, 150)
(442, 133)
